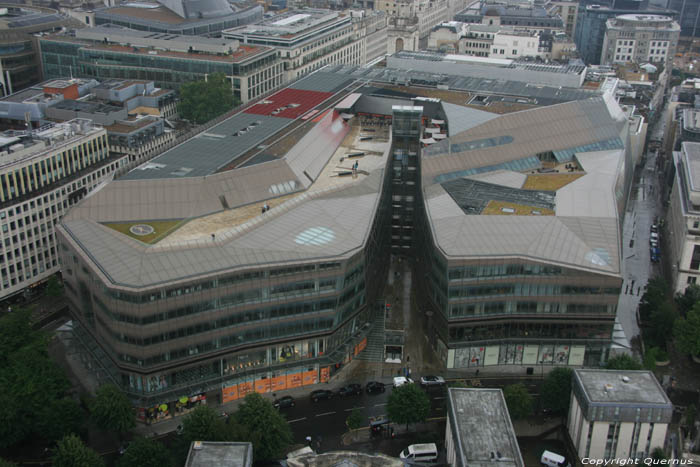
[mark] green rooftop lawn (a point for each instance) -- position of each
(161, 229)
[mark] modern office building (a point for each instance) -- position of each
(683, 217)
(20, 65)
(479, 430)
(251, 257)
(306, 39)
(523, 267)
(688, 14)
(591, 25)
(617, 414)
(181, 17)
(43, 173)
(640, 39)
(104, 53)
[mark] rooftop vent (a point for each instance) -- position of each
(625, 379)
(608, 387)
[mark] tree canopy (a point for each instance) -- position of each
(257, 421)
(111, 410)
(518, 400)
(34, 388)
(6, 463)
(408, 404)
(623, 362)
(201, 101)
(688, 299)
(72, 452)
(355, 420)
(556, 390)
(144, 452)
(687, 332)
(202, 424)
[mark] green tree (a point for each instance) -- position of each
(649, 360)
(111, 410)
(355, 421)
(257, 421)
(518, 400)
(659, 454)
(54, 288)
(687, 300)
(687, 332)
(144, 452)
(655, 295)
(4, 463)
(59, 418)
(201, 101)
(691, 414)
(408, 404)
(623, 362)
(556, 390)
(72, 452)
(203, 424)
(661, 324)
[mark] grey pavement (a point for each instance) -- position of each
(643, 207)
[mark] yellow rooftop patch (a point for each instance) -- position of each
(550, 182)
(145, 231)
(504, 208)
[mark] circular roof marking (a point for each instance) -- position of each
(141, 229)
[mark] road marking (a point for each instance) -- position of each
(437, 398)
(350, 410)
(438, 408)
(379, 405)
(322, 414)
(296, 420)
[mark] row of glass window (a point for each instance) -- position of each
(529, 290)
(507, 308)
(502, 270)
(515, 329)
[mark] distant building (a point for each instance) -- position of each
(305, 39)
(168, 60)
(688, 14)
(20, 65)
(639, 38)
(683, 218)
(567, 11)
(591, 26)
(479, 430)
(184, 17)
(531, 17)
(42, 174)
(215, 454)
(617, 414)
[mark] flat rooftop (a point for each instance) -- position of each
(621, 387)
(219, 454)
(481, 422)
(290, 23)
(242, 53)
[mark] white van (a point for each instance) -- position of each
(551, 459)
(420, 453)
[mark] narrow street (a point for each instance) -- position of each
(644, 206)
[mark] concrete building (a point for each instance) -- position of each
(20, 65)
(640, 39)
(591, 25)
(219, 454)
(567, 11)
(479, 430)
(683, 218)
(181, 17)
(104, 53)
(571, 76)
(529, 16)
(306, 40)
(371, 28)
(43, 173)
(617, 414)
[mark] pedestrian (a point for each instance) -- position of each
(477, 372)
(308, 440)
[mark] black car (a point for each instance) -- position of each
(284, 402)
(350, 390)
(321, 394)
(374, 387)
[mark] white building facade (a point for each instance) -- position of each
(41, 177)
(640, 39)
(683, 217)
(617, 414)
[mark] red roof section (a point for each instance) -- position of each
(306, 101)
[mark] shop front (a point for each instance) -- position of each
(169, 409)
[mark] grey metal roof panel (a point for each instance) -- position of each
(322, 81)
(461, 118)
(211, 149)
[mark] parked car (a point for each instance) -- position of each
(284, 402)
(374, 387)
(654, 228)
(350, 390)
(321, 394)
(655, 254)
(432, 381)
(401, 380)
